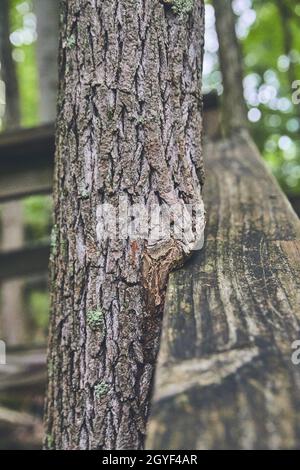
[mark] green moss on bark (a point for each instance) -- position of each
(95, 319)
(101, 389)
(182, 7)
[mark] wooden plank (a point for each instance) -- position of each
(25, 183)
(23, 262)
(26, 162)
(225, 378)
(25, 145)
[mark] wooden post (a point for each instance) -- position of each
(234, 112)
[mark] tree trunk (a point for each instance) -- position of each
(47, 12)
(234, 110)
(128, 131)
(8, 71)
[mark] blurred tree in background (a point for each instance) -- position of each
(270, 42)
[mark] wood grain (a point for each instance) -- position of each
(225, 378)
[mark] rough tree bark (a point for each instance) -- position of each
(47, 12)
(129, 124)
(226, 376)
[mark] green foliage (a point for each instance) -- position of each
(36, 306)
(271, 59)
(271, 52)
(39, 308)
(37, 217)
(24, 53)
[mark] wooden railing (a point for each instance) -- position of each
(26, 161)
(225, 376)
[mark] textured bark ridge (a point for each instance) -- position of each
(129, 125)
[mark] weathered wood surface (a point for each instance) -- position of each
(225, 379)
(26, 162)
